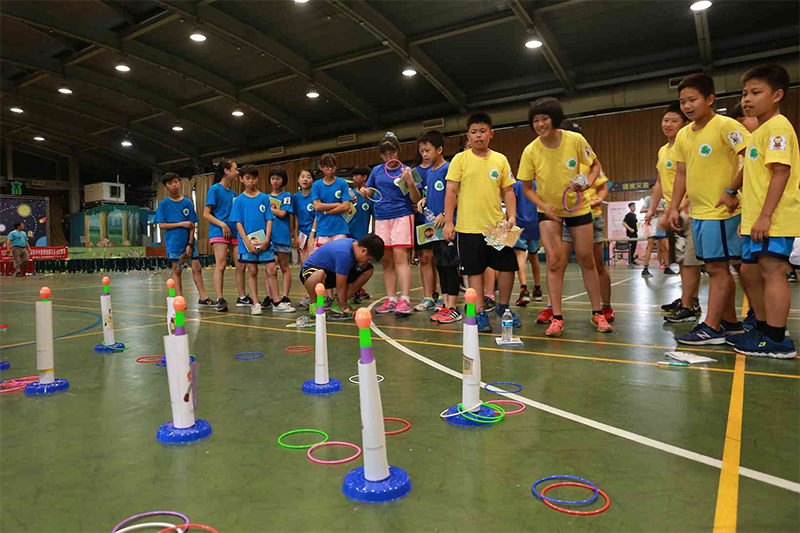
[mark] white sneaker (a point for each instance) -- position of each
(255, 309)
(283, 307)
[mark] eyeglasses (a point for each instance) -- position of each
(329, 167)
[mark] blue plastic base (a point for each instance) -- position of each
(163, 360)
(110, 348)
(46, 388)
(5, 365)
(461, 420)
(310, 387)
(168, 434)
(356, 487)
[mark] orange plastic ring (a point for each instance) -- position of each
(570, 511)
(401, 430)
(299, 348)
(187, 526)
(149, 359)
(12, 385)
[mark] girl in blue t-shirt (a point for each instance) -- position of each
(281, 236)
(394, 222)
(219, 202)
(304, 224)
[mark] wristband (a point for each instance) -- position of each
(731, 191)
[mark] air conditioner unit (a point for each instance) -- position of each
(278, 150)
(111, 193)
(433, 123)
(674, 82)
(346, 139)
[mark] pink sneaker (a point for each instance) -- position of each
(403, 308)
(556, 327)
(386, 307)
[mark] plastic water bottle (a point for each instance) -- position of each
(507, 323)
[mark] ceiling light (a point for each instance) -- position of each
(312, 92)
(700, 6)
(237, 112)
(197, 36)
(300, 1)
(126, 143)
(533, 43)
(123, 67)
(38, 138)
(64, 90)
(409, 72)
(177, 127)
(16, 109)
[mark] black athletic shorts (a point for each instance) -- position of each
(445, 253)
(571, 222)
(330, 277)
(475, 255)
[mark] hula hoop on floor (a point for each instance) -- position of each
(458, 411)
(246, 356)
(15, 384)
(199, 526)
(565, 502)
(147, 525)
(355, 381)
(501, 391)
(338, 461)
(152, 513)
(303, 446)
(481, 419)
(398, 431)
(569, 511)
(149, 359)
(299, 348)
(511, 402)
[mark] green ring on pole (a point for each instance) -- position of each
(179, 321)
(365, 338)
(320, 300)
(301, 447)
(481, 419)
(172, 293)
(471, 310)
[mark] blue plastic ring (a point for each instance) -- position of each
(519, 387)
(246, 356)
(565, 502)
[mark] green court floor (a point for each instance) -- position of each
(652, 437)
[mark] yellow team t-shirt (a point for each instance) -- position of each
(775, 141)
(481, 180)
(666, 171)
(553, 168)
(591, 192)
(711, 158)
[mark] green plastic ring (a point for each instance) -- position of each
(303, 447)
(481, 418)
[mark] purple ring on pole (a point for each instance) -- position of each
(180, 330)
(366, 355)
(472, 321)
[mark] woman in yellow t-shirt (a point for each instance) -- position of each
(554, 160)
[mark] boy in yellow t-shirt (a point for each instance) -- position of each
(707, 156)
(770, 213)
(553, 159)
(476, 180)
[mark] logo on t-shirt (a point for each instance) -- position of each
(669, 163)
(309, 208)
(338, 194)
(262, 208)
(777, 143)
(735, 137)
(752, 153)
(494, 174)
(365, 207)
(287, 200)
(587, 152)
(186, 211)
(705, 150)
(572, 163)
(439, 185)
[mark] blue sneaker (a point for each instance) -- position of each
(763, 346)
(500, 309)
(483, 323)
(702, 334)
(732, 328)
(739, 338)
(749, 322)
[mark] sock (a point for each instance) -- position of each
(558, 317)
(550, 306)
(393, 299)
(776, 333)
(427, 298)
(605, 304)
(285, 299)
(405, 298)
(761, 325)
(523, 286)
(695, 302)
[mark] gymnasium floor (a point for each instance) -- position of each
(651, 437)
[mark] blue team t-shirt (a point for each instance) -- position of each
(334, 256)
(169, 212)
(221, 201)
(303, 209)
(359, 224)
(335, 193)
(253, 214)
(281, 230)
(393, 204)
(19, 239)
(527, 217)
(436, 186)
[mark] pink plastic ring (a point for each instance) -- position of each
(513, 402)
(334, 443)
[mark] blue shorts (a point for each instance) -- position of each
(780, 247)
(531, 245)
(264, 257)
(282, 248)
(717, 240)
(176, 256)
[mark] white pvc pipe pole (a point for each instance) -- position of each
(176, 349)
(44, 342)
(108, 319)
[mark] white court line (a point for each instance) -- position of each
(583, 293)
(663, 446)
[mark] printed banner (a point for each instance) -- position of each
(37, 253)
(630, 186)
